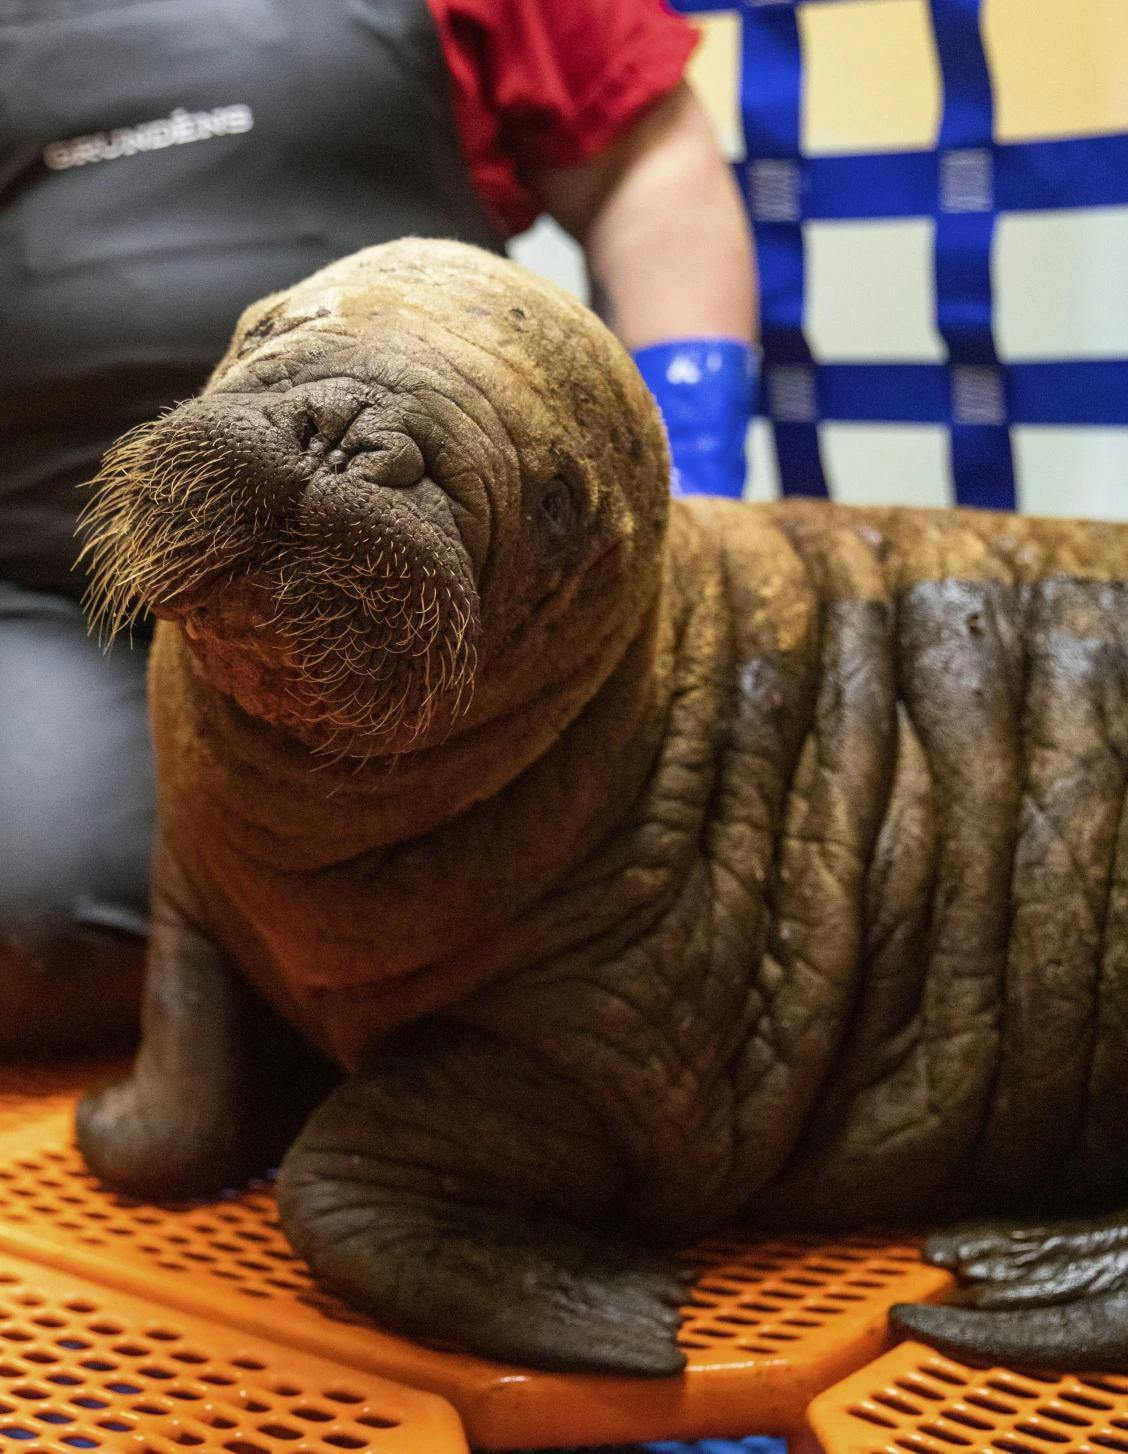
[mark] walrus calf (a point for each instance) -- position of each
(586, 871)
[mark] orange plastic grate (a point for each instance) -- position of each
(29, 1090)
(767, 1326)
(761, 1298)
(82, 1367)
(913, 1401)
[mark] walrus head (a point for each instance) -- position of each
(421, 476)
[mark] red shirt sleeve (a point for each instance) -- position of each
(550, 83)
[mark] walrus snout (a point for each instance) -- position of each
(269, 452)
(387, 510)
(339, 425)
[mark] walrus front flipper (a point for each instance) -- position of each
(219, 1087)
(1051, 1296)
(458, 1192)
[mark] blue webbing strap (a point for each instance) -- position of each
(982, 464)
(771, 75)
(1030, 176)
(1075, 391)
(962, 185)
(757, 1444)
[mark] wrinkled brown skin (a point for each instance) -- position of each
(777, 872)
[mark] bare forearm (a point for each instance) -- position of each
(670, 245)
(666, 240)
(664, 230)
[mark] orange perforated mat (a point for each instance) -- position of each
(913, 1401)
(767, 1326)
(29, 1089)
(84, 1367)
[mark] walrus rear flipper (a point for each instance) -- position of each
(1092, 1333)
(459, 1192)
(1036, 1297)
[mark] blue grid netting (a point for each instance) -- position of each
(756, 1444)
(963, 185)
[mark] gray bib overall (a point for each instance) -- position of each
(162, 164)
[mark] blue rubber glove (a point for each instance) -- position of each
(706, 389)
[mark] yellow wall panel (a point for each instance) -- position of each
(872, 80)
(1060, 67)
(870, 293)
(714, 73)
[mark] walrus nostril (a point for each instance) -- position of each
(317, 416)
(383, 456)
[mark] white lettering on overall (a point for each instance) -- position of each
(126, 141)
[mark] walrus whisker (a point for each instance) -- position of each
(155, 530)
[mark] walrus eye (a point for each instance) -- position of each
(555, 512)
